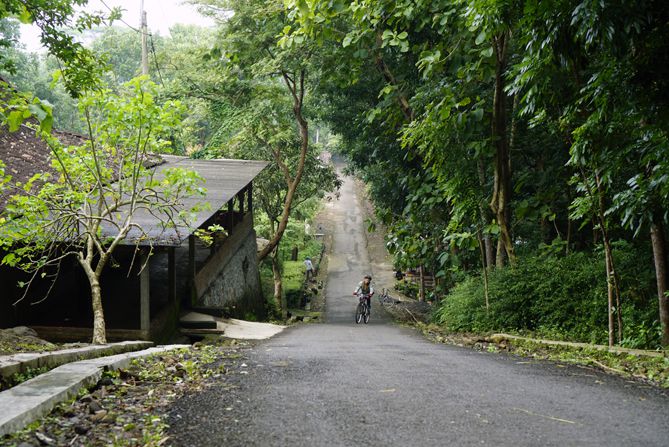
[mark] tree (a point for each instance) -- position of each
(254, 61)
(80, 68)
(86, 206)
(263, 129)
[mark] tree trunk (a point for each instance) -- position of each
(99, 331)
(613, 291)
(489, 258)
(566, 249)
(485, 272)
(609, 294)
(278, 284)
(297, 91)
(502, 180)
(500, 253)
(421, 284)
(660, 258)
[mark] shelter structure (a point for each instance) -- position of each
(151, 280)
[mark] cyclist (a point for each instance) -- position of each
(365, 288)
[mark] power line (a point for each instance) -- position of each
(149, 34)
(139, 31)
(155, 59)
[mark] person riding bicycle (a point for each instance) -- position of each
(366, 290)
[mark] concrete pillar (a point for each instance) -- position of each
(172, 275)
(144, 294)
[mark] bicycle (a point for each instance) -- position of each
(362, 310)
(384, 298)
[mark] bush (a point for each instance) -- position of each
(558, 297)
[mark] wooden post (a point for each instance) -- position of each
(231, 215)
(240, 197)
(172, 275)
(250, 198)
(145, 31)
(144, 294)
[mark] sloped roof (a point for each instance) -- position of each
(223, 179)
(24, 155)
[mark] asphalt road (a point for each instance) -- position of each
(342, 384)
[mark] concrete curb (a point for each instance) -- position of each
(36, 397)
(616, 349)
(18, 363)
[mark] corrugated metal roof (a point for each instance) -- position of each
(223, 179)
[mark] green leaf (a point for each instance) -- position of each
(304, 8)
(37, 111)
(481, 38)
(25, 16)
(465, 101)
(14, 120)
(9, 259)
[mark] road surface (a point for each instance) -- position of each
(342, 384)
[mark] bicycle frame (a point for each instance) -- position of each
(362, 309)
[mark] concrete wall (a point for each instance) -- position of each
(232, 282)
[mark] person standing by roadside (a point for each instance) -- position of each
(309, 268)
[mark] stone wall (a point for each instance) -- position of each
(236, 287)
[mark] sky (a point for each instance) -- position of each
(161, 15)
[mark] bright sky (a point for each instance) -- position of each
(161, 15)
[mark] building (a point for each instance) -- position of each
(181, 273)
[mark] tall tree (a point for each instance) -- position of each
(249, 44)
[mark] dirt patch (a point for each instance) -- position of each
(23, 339)
(408, 311)
(128, 407)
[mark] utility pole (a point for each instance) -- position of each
(145, 31)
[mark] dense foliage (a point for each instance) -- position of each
(556, 297)
(523, 139)
(513, 148)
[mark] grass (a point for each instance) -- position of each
(654, 370)
(21, 377)
(8, 348)
(293, 274)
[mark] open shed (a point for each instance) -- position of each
(182, 273)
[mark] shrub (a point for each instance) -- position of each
(561, 297)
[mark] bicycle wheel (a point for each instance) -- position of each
(359, 312)
(366, 315)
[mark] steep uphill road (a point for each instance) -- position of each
(341, 384)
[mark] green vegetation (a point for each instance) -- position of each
(555, 297)
(516, 150)
(292, 272)
(21, 377)
(14, 347)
